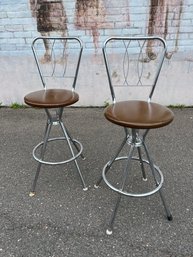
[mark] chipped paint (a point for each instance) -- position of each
(164, 19)
(50, 15)
(90, 15)
(95, 15)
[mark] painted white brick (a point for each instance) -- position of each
(6, 34)
(3, 15)
(13, 28)
(23, 34)
(186, 29)
(16, 17)
(16, 14)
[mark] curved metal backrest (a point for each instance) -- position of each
(133, 61)
(56, 58)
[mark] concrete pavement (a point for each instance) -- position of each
(63, 220)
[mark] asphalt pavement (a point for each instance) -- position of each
(62, 220)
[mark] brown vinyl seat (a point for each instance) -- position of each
(139, 114)
(51, 98)
(132, 64)
(58, 61)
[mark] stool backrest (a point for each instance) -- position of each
(57, 58)
(133, 62)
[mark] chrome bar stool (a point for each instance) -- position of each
(133, 65)
(58, 60)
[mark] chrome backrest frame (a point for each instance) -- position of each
(143, 38)
(67, 39)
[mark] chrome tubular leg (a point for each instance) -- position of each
(43, 149)
(126, 171)
(32, 192)
(168, 213)
(68, 133)
(141, 164)
(111, 162)
(109, 230)
(72, 152)
(75, 145)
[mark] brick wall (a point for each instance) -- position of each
(93, 21)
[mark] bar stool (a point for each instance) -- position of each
(58, 60)
(132, 65)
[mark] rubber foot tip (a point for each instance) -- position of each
(31, 194)
(96, 186)
(109, 232)
(170, 217)
(144, 179)
(85, 188)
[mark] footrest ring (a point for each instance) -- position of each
(60, 162)
(156, 168)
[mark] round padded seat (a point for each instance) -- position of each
(51, 98)
(139, 114)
